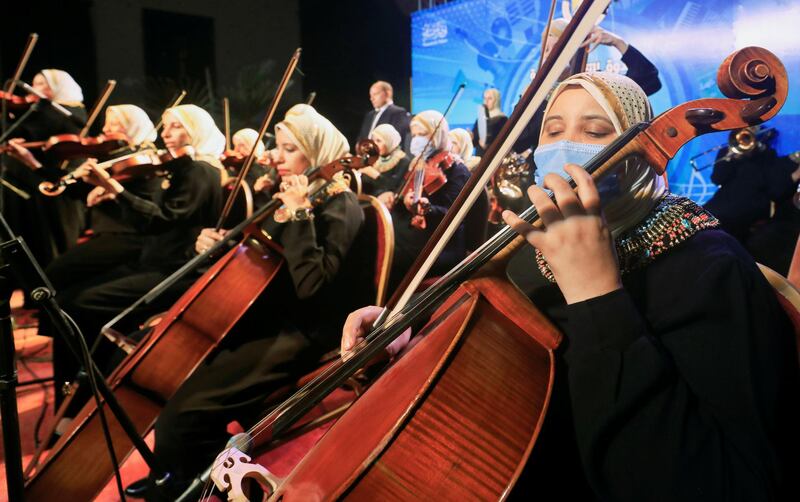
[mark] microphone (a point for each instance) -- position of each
(63, 111)
(242, 442)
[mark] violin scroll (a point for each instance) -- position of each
(51, 189)
(366, 155)
(368, 149)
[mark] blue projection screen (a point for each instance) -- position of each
(496, 43)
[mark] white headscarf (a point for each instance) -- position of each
(640, 188)
(65, 90)
(462, 146)
(300, 108)
(429, 119)
(206, 139)
(249, 137)
(462, 143)
(138, 125)
(389, 135)
(315, 136)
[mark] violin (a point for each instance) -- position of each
(234, 160)
(73, 146)
(18, 104)
(144, 164)
(427, 178)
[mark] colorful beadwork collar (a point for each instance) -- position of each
(672, 221)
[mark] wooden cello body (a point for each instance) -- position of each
(466, 407)
(456, 417)
(79, 466)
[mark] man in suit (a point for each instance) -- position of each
(384, 111)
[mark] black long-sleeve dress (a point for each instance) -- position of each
(294, 322)
(493, 127)
(409, 241)
(168, 228)
(747, 188)
(50, 225)
(681, 386)
(393, 170)
(114, 240)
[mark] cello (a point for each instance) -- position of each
(78, 466)
(486, 348)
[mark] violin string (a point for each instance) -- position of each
(418, 158)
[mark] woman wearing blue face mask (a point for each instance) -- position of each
(678, 376)
(410, 234)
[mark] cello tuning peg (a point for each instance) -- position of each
(753, 111)
(703, 117)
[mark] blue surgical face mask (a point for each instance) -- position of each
(418, 146)
(552, 158)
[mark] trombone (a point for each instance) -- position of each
(742, 143)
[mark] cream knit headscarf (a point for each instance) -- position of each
(249, 137)
(315, 136)
(206, 139)
(638, 186)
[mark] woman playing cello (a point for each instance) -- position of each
(291, 324)
(678, 376)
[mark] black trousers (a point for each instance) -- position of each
(93, 257)
(49, 225)
(92, 297)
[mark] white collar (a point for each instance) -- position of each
(384, 107)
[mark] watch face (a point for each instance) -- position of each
(301, 214)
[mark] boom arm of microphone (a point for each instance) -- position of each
(55, 105)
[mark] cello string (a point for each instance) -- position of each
(559, 55)
(380, 337)
(316, 389)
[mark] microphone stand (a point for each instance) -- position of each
(8, 394)
(18, 268)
